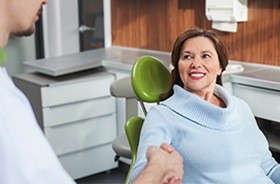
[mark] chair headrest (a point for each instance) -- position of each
(150, 78)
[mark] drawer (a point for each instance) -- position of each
(260, 100)
(77, 90)
(89, 161)
(82, 134)
(68, 113)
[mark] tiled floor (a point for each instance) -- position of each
(115, 176)
(112, 177)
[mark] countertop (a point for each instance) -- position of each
(113, 57)
(262, 76)
(123, 58)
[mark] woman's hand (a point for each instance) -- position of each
(168, 161)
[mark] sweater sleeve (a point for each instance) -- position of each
(154, 132)
(271, 168)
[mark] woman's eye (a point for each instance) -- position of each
(187, 56)
(206, 56)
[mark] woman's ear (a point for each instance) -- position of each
(220, 72)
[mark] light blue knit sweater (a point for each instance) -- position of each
(218, 145)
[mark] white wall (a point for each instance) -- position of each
(19, 49)
(107, 23)
(61, 27)
(60, 24)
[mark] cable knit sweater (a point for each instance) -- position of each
(218, 145)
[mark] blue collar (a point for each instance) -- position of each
(3, 56)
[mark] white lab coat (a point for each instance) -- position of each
(25, 154)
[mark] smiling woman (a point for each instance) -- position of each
(199, 67)
(188, 47)
(197, 111)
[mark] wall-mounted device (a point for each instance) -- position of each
(226, 13)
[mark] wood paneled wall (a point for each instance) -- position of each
(155, 24)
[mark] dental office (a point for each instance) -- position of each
(76, 71)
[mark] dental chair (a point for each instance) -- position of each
(148, 81)
(122, 88)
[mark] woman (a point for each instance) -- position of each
(215, 132)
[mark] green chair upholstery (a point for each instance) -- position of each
(133, 128)
(149, 80)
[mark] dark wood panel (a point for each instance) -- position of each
(154, 24)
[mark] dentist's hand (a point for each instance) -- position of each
(168, 161)
(164, 166)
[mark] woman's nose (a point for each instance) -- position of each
(196, 63)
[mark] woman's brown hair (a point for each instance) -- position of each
(176, 52)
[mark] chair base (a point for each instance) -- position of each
(117, 157)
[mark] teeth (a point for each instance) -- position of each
(197, 74)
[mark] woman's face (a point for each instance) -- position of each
(199, 65)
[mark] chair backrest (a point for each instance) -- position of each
(149, 80)
(133, 128)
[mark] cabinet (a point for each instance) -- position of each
(264, 104)
(77, 115)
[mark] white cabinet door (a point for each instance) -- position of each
(76, 91)
(72, 112)
(260, 100)
(81, 135)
